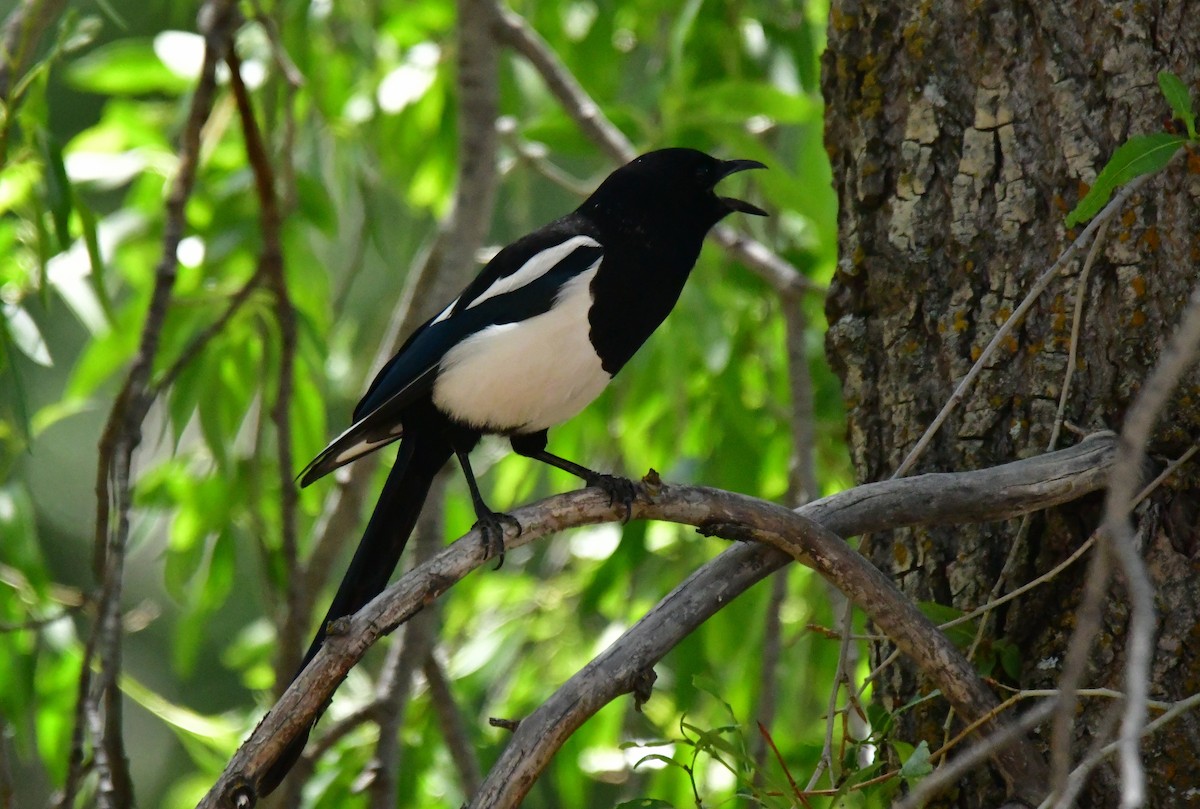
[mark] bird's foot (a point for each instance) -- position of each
(491, 525)
(619, 490)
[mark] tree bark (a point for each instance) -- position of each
(960, 135)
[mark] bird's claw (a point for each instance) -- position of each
(619, 490)
(491, 527)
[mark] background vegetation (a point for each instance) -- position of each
(358, 105)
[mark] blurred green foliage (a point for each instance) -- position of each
(88, 142)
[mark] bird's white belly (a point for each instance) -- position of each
(526, 376)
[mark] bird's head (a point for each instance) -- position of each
(674, 185)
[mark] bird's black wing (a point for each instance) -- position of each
(520, 282)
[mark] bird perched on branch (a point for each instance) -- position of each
(527, 345)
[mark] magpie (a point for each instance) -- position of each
(527, 345)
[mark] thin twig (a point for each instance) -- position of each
(1139, 583)
(535, 155)
(271, 269)
(37, 623)
(518, 34)
(1084, 547)
(395, 687)
(768, 676)
(1104, 732)
(765, 735)
(1000, 492)
(1076, 323)
(947, 775)
(950, 772)
(1023, 530)
(1049, 575)
(825, 762)
(1040, 580)
(803, 486)
(200, 341)
(591, 120)
(1176, 357)
(335, 731)
(293, 81)
(769, 265)
(981, 630)
(440, 270)
(1035, 291)
(556, 719)
(454, 727)
(392, 692)
(99, 706)
(1106, 693)
(1079, 775)
(1087, 625)
(23, 30)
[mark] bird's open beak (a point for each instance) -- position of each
(733, 167)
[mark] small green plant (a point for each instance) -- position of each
(1141, 154)
(778, 780)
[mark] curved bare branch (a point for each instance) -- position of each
(997, 493)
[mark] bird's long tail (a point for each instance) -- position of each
(417, 463)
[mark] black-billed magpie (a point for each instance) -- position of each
(527, 345)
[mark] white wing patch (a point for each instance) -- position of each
(363, 446)
(360, 449)
(533, 269)
(528, 375)
(445, 312)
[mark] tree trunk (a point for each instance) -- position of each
(960, 135)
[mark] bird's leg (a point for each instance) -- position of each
(490, 523)
(619, 490)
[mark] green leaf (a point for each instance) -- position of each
(102, 358)
(126, 67)
(659, 757)
(17, 181)
(56, 678)
(112, 14)
(1141, 154)
(26, 335)
(189, 636)
(308, 413)
(917, 700)
(1177, 95)
(79, 32)
(220, 731)
(1010, 658)
(16, 396)
(737, 101)
(58, 190)
(55, 412)
(20, 550)
(881, 720)
(916, 764)
(312, 198)
(712, 740)
(856, 777)
(34, 80)
(186, 552)
(91, 241)
(961, 635)
(709, 686)
(222, 568)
